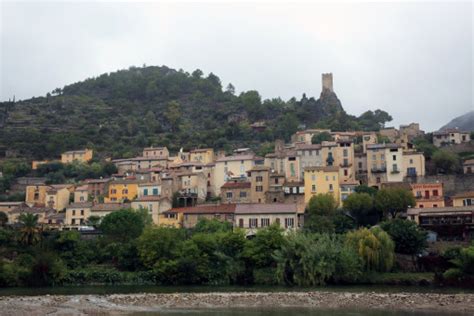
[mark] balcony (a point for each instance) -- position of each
(378, 170)
(395, 171)
(345, 165)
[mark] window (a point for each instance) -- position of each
(313, 177)
(346, 162)
(345, 153)
(345, 172)
(276, 180)
(125, 191)
(313, 188)
(228, 195)
(411, 161)
(382, 157)
(289, 222)
(327, 178)
(145, 192)
(360, 165)
(259, 188)
(82, 212)
(331, 187)
(155, 191)
(81, 198)
(264, 222)
(241, 222)
(113, 191)
(73, 212)
(435, 192)
(395, 167)
(374, 157)
(435, 205)
(394, 157)
(253, 222)
(243, 194)
(259, 179)
(467, 202)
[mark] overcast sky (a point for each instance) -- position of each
(414, 60)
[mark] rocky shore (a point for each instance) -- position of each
(120, 304)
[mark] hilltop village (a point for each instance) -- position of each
(254, 192)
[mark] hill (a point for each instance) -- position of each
(464, 122)
(119, 113)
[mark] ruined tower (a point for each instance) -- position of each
(327, 82)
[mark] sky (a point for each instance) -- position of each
(413, 59)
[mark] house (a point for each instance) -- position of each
(156, 152)
(294, 194)
(7, 207)
(468, 166)
(450, 223)
(97, 187)
(172, 218)
(286, 162)
(155, 205)
(235, 191)
(463, 199)
(384, 164)
(231, 166)
(321, 180)
(259, 183)
(104, 209)
(77, 213)
(347, 187)
(413, 164)
(192, 188)
(450, 136)
(122, 190)
(428, 195)
(252, 217)
(81, 194)
(53, 196)
(202, 155)
(191, 215)
(360, 160)
(83, 155)
(40, 211)
(368, 139)
(310, 156)
(306, 136)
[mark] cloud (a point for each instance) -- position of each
(412, 59)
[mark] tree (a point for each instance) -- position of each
(393, 201)
(446, 162)
(374, 246)
(366, 189)
(361, 206)
(123, 225)
(173, 115)
(29, 231)
(463, 263)
(408, 237)
(321, 137)
(230, 89)
(319, 214)
(3, 219)
(93, 221)
(157, 244)
(212, 226)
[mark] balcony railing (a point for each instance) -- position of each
(378, 170)
(394, 171)
(345, 165)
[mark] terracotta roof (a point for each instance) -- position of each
(110, 206)
(200, 150)
(452, 209)
(275, 208)
(236, 185)
(82, 188)
(206, 209)
(150, 198)
(464, 194)
(383, 146)
(32, 210)
(308, 146)
(236, 158)
(80, 204)
(325, 169)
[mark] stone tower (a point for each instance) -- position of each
(327, 82)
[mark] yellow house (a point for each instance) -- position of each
(122, 190)
(172, 218)
(321, 180)
(204, 155)
(464, 199)
(52, 196)
(83, 155)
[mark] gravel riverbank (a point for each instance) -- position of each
(119, 304)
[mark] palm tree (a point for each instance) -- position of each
(29, 231)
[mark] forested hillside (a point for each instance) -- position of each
(119, 113)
